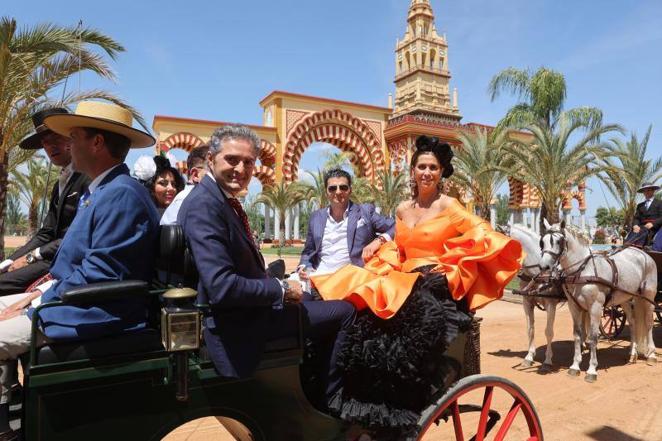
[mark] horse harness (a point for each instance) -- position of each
(575, 277)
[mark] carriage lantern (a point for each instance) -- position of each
(180, 321)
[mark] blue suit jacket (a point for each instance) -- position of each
(112, 237)
(357, 238)
(232, 280)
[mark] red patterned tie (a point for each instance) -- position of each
(234, 203)
(43, 279)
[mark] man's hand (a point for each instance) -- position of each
(371, 249)
(303, 275)
(17, 308)
(636, 228)
(649, 225)
(294, 293)
(18, 264)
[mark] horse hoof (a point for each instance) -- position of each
(591, 378)
(573, 372)
(546, 367)
(651, 361)
(632, 359)
(526, 363)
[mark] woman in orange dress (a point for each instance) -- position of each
(416, 293)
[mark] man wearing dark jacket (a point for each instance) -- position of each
(32, 261)
(648, 215)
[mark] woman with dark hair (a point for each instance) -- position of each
(415, 294)
(161, 179)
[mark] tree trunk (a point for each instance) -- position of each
(552, 216)
(4, 164)
(33, 219)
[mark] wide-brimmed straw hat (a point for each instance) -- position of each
(648, 186)
(104, 116)
(33, 140)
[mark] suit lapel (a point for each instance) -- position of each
(211, 186)
(65, 193)
(352, 220)
(320, 226)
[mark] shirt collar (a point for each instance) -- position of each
(96, 181)
(345, 214)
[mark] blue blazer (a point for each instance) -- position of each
(232, 280)
(112, 237)
(357, 238)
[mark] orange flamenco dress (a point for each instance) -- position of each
(478, 264)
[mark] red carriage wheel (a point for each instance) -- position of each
(612, 322)
(478, 408)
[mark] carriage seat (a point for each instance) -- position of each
(175, 265)
(145, 340)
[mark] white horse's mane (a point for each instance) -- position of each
(576, 232)
(526, 230)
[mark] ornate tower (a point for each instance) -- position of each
(421, 69)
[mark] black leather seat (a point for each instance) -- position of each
(174, 262)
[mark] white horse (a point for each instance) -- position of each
(530, 241)
(636, 283)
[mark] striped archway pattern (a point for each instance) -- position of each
(339, 128)
(181, 140)
(267, 154)
(265, 175)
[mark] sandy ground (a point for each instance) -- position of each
(625, 404)
(15, 241)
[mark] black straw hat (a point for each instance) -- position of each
(648, 186)
(33, 140)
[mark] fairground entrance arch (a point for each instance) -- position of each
(291, 123)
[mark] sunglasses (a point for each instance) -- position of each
(334, 188)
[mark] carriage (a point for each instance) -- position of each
(142, 385)
(613, 317)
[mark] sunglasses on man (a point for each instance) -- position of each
(334, 188)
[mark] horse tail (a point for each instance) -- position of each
(643, 319)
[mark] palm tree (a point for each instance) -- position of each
(32, 186)
(627, 169)
(394, 189)
(17, 222)
(543, 93)
(363, 190)
(478, 166)
(550, 165)
(316, 190)
(281, 197)
(35, 61)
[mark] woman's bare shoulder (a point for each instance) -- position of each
(403, 207)
(444, 202)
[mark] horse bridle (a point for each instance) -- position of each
(562, 245)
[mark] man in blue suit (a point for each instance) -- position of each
(344, 232)
(247, 307)
(112, 237)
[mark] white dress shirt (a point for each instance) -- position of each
(335, 252)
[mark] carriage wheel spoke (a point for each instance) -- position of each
(508, 421)
(482, 422)
(457, 421)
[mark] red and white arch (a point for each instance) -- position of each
(339, 128)
(181, 140)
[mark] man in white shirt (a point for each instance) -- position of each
(195, 164)
(344, 232)
(31, 261)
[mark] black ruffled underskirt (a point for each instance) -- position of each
(392, 368)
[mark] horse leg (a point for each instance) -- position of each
(529, 304)
(595, 313)
(629, 315)
(550, 306)
(644, 312)
(577, 332)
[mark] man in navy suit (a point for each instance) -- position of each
(112, 237)
(647, 216)
(247, 307)
(344, 232)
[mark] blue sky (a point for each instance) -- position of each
(217, 59)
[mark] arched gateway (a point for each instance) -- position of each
(381, 138)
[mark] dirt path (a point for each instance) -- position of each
(625, 404)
